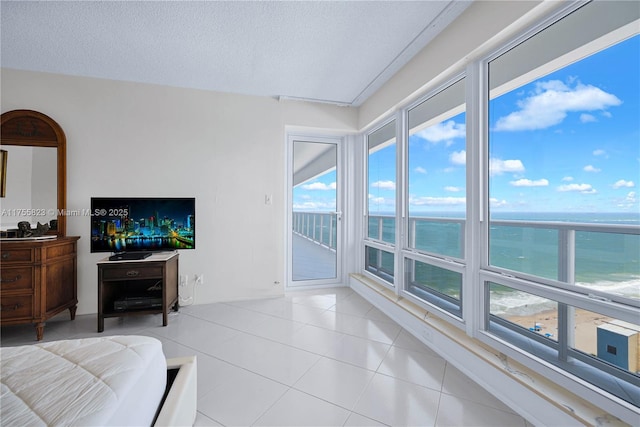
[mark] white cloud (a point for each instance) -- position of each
(623, 183)
(582, 188)
(437, 201)
(458, 157)
(498, 166)
(452, 189)
(629, 201)
(591, 168)
(606, 114)
(377, 200)
(384, 185)
(599, 152)
(529, 183)
(550, 103)
(497, 203)
(567, 179)
(320, 186)
(420, 169)
(443, 131)
(314, 206)
(587, 118)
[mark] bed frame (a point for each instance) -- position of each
(179, 406)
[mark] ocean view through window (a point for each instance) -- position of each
(564, 150)
(436, 198)
(381, 203)
(315, 215)
(516, 198)
(564, 215)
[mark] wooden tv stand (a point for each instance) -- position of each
(135, 287)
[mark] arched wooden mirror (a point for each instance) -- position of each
(34, 168)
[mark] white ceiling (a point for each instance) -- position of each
(330, 51)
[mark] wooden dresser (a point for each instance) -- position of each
(37, 280)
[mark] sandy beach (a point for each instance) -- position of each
(586, 323)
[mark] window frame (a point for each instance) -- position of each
(379, 244)
(565, 294)
(482, 68)
(405, 251)
(475, 267)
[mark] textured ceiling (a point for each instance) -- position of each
(330, 51)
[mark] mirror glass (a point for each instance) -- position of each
(31, 186)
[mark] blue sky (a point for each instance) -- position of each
(318, 194)
(572, 138)
(567, 142)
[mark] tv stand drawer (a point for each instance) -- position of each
(132, 272)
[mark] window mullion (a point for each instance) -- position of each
(564, 332)
(401, 143)
(476, 246)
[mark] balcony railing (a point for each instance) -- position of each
(319, 227)
(565, 251)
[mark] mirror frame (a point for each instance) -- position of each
(34, 129)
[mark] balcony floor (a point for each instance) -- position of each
(312, 261)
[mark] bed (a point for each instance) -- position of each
(118, 380)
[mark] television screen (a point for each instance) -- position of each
(142, 224)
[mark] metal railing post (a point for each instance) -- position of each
(566, 273)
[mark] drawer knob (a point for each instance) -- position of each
(15, 279)
(6, 255)
(132, 273)
(10, 307)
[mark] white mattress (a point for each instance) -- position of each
(117, 380)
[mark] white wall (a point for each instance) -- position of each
(228, 151)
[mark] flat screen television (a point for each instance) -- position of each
(142, 224)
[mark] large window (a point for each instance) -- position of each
(534, 220)
(436, 201)
(381, 203)
(563, 167)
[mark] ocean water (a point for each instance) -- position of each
(608, 262)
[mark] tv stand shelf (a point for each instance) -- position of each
(135, 287)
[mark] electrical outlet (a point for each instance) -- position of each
(184, 279)
(199, 279)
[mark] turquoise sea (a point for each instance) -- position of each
(604, 261)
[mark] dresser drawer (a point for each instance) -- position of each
(16, 278)
(61, 250)
(133, 272)
(16, 255)
(16, 307)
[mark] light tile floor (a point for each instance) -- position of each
(322, 357)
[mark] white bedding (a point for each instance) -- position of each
(116, 380)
